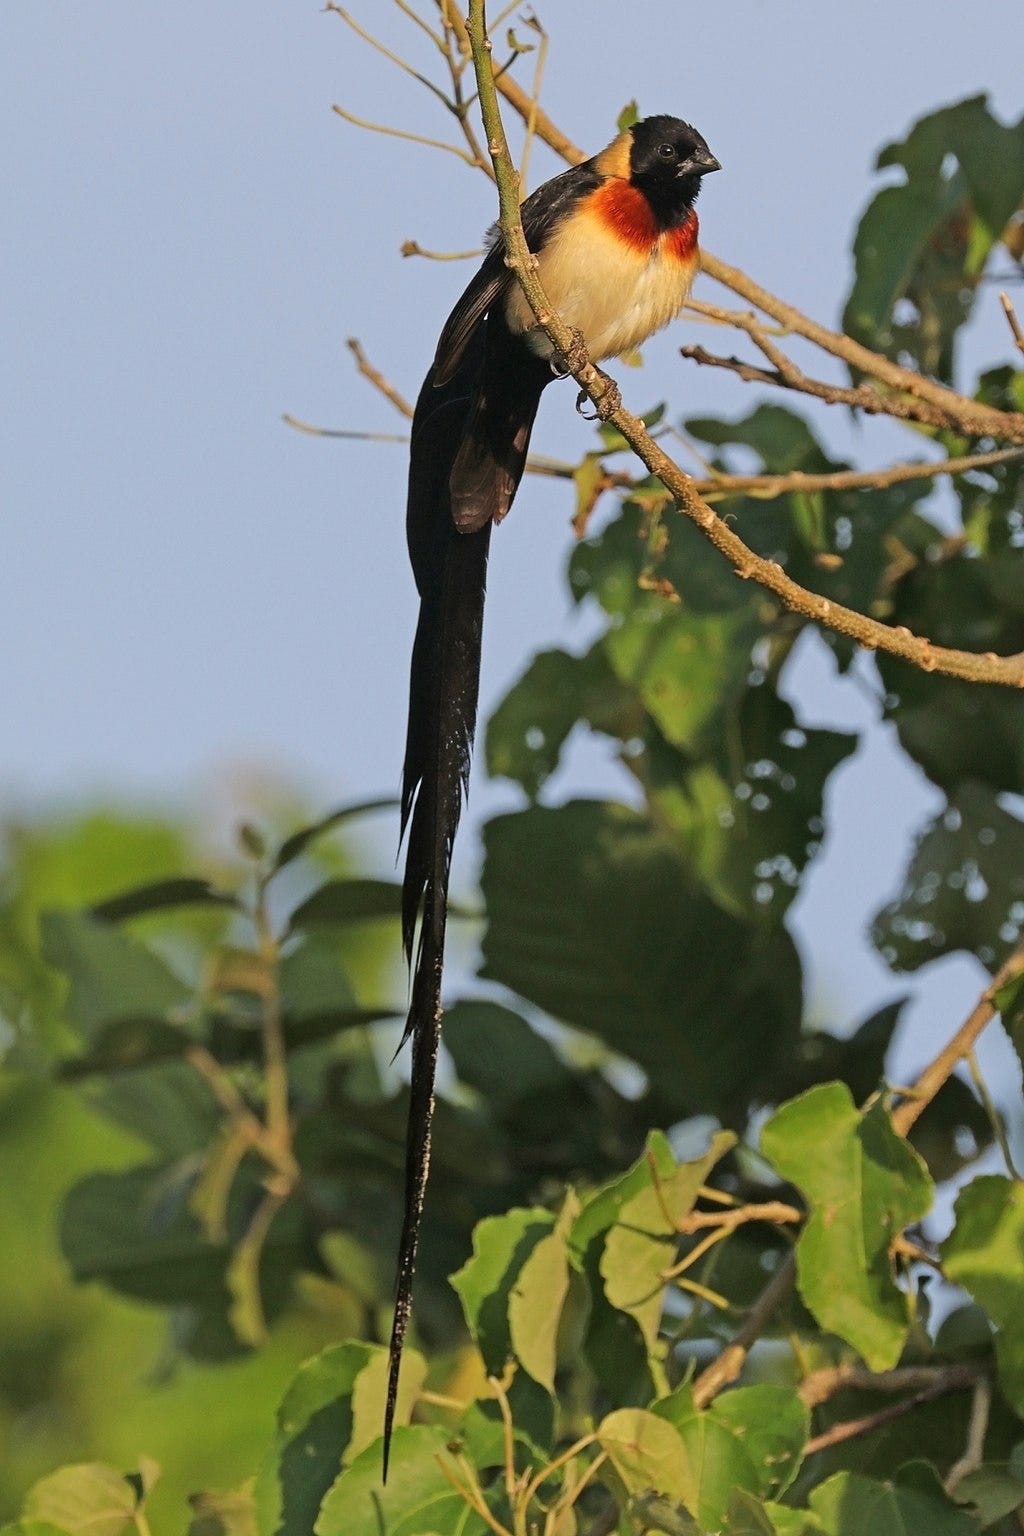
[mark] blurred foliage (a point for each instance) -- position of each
(200, 1109)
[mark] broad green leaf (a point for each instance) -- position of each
(299, 841)
(752, 821)
(527, 731)
(993, 1491)
(595, 915)
(913, 1502)
(964, 888)
(331, 1412)
(134, 1231)
(167, 1105)
(229, 1513)
(985, 1254)
(88, 1499)
(971, 598)
(184, 891)
(772, 1424)
(864, 1185)
(313, 980)
(641, 1244)
(751, 1438)
(496, 1052)
(340, 902)
(112, 975)
(537, 1297)
(484, 1284)
(418, 1499)
(687, 659)
(648, 1453)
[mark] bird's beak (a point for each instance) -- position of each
(701, 163)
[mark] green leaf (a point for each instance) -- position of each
(594, 914)
(772, 1425)
(88, 1499)
(332, 1411)
(299, 841)
(971, 598)
(687, 659)
(134, 1231)
(983, 1254)
(159, 896)
(113, 977)
(227, 1513)
(340, 902)
(629, 115)
(864, 1185)
(850, 1504)
(501, 1247)
(417, 1500)
(648, 1453)
(169, 1106)
(526, 733)
(964, 888)
(537, 1298)
(993, 1491)
(496, 1052)
(752, 820)
(641, 1244)
(751, 1439)
(1009, 999)
(313, 980)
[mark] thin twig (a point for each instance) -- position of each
(401, 133)
(407, 10)
(413, 248)
(852, 1429)
(767, 487)
(350, 435)
(977, 1428)
(377, 379)
(819, 1386)
(394, 57)
(995, 1119)
(967, 416)
(727, 1366)
(531, 117)
(936, 1073)
(1011, 320)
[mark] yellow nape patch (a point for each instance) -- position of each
(614, 161)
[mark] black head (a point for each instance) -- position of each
(667, 159)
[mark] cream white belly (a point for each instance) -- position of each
(616, 295)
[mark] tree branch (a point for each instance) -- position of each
(871, 633)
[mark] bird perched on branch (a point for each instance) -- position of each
(616, 245)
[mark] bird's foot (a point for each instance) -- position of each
(576, 357)
(606, 406)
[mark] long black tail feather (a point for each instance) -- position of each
(469, 442)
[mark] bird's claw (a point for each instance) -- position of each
(609, 403)
(574, 358)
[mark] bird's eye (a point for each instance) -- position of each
(667, 151)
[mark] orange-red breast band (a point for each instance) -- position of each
(624, 210)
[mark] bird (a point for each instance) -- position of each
(615, 242)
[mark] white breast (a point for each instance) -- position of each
(617, 296)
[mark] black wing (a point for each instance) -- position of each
(541, 212)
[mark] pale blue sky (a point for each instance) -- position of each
(189, 235)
